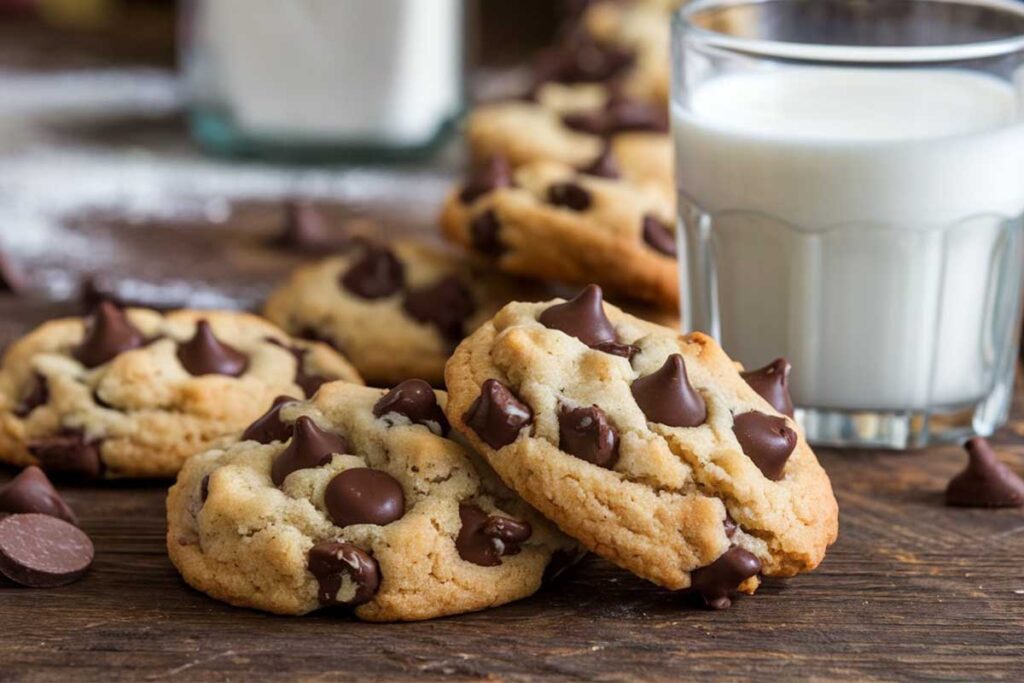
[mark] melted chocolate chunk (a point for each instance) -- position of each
(485, 234)
(376, 274)
(269, 427)
(414, 399)
(496, 173)
(986, 482)
(667, 397)
(204, 354)
(497, 416)
(570, 195)
(658, 236)
(31, 491)
(604, 166)
(767, 440)
(483, 539)
(107, 334)
(446, 304)
(772, 383)
(310, 447)
(67, 453)
(346, 574)
(38, 394)
(364, 496)
(582, 317)
(40, 551)
(715, 582)
(586, 434)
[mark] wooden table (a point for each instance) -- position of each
(912, 589)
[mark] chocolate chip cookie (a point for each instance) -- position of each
(133, 393)
(647, 446)
(547, 220)
(356, 499)
(396, 311)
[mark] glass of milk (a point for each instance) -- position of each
(851, 191)
(323, 79)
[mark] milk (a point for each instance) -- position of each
(346, 70)
(861, 223)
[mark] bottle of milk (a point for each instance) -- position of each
(858, 207)
(323, 78)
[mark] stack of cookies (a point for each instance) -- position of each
(566, 426)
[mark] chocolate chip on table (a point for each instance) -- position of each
(375, 274)
(667, 397)
(204, 354)
(67, 453)
(416, 400)
(31, 491)
(346, 574)
(310, 447)
(659, 236)
(484, 539)
(570, 195)
(446, 305)
(768, 440)
(38, 394)
(269, 427)
(485, 233)
(772, 383)
(40, 551)
(582, 317)
(107, 334)
(604, 166)
(715, 582)
(986, 481)
(497, 416)
(494, 174)
(362, 495)
(586, 434)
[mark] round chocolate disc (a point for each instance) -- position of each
(40, 551)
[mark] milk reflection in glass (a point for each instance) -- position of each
(859, 223)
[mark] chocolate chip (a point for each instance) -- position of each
(569, 195)
(586, 434)
(715, 582)
(310, 447)
(617, 349)
(667, 397)
(483, 539)
(496, 173)
(40, 551)
(446, 304)
(560, 563)
(38, 394)
(497, 416)
(346, 574)
(485, 233)
(204, 354)
(767, 440)
(304, 229)
(604, 166)
(107, 334)
(414, 399)
(364, 496)
(986, 481)
(11, 279)
(376, 274)
(269, 427)
(31, 491)
(658, 236)
(67, 453)
(582, 317)
(772, 383)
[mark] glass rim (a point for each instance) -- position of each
(814, 52)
